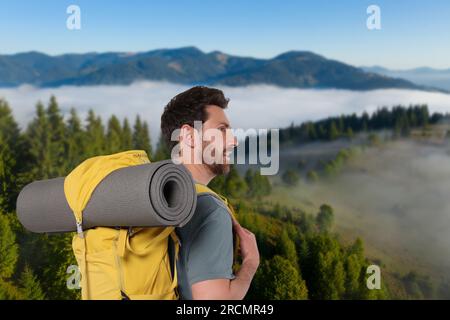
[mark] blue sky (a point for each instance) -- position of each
(414, 32)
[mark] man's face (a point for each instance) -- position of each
(218, 141)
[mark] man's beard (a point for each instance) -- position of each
(216, 168)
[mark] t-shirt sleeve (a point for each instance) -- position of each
(211, 251)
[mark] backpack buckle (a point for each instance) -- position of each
(80, 229)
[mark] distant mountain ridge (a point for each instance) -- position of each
(189, 65)
(437, 78)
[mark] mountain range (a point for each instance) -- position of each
(437, 78)
(189, 65)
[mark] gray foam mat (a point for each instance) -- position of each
(153, 194)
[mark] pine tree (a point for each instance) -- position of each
(12, 155)
(265, 188)
(353, 271)
(312, 134)
(58, 143)
(290, 177)
(95, 136)
(235, 186)
(325, 218)
(286, 248)
(7, 175)
(141, 137)
(322, 267)
(30, 285)
(39, 145)
(250, 180)
(49, 256)
(365, 121)
(127, 139)
(76, 142)
(8, 125)
(114, 136)
(424, 115)
(341, 124)
(278, 279)
(258, 185)
(333, 132)
(162, 151)
(312, 176)
(8, 248)
(8, 291)
(147, 142)
(218, 184)
(349, 133)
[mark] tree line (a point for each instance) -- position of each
(400, 119)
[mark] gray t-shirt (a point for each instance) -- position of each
(206, 250)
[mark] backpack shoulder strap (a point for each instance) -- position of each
(202, 189)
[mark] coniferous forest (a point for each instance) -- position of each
(301, 255)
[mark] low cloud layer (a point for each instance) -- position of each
(257, 106)
(396, 198)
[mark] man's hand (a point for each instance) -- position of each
(249, 247)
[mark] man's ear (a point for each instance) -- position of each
(187, 136)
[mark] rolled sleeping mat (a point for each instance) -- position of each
(146, 195)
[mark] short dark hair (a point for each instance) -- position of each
(187, 107)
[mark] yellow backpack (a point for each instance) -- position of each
(122, 263)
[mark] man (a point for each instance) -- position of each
(206, 254)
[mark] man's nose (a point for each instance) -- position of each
(233, 141)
